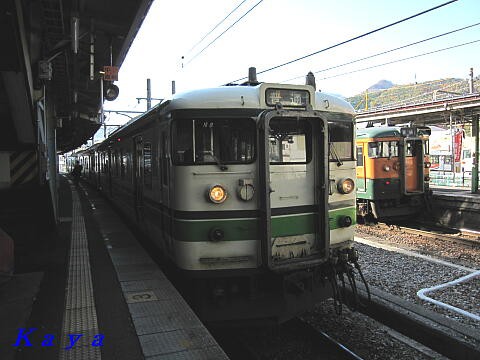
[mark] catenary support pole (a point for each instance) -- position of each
(475, 133)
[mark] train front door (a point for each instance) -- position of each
(138, 177)
(413, 156)
(293, 167)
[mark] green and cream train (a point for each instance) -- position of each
(248, 191)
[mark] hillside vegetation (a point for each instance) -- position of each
(398, 95)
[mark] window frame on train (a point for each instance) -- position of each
(340, 127)
(191, 139)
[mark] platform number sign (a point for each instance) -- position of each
(110, 73)
(141, 297)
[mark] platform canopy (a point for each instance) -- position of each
(52, 53)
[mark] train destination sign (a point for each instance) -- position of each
(287, 97)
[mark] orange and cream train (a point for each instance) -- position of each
(392, 172)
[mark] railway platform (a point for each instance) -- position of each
(456, 207)
(94, 293)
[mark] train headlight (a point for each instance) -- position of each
(346, 185)
(217, 194)
(386, 167)
(428, 164)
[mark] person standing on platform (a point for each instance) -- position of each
(76, 172)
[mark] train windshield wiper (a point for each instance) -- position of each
(333, 151)
(222, 166)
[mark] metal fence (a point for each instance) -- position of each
(449, 178)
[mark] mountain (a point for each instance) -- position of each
(397, 95)
(382, 85)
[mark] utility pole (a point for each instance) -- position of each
(471, 82)
(475, 131)
(149, 96)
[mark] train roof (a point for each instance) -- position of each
(252, 97)
(233, 97)
(392, 131)
(378, 132)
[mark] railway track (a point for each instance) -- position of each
(418, 322)
(324, 344)
(295, 339)
(438, 333)
(417, 327)
(465, 238)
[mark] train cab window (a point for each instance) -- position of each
(213, 141)
(340, 140)
(383, 149)
(290, 141)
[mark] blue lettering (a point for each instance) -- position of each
(48, 340)
(98, 340)
(73, 339)
(24, 336)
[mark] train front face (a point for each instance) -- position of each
(392, 172)
(251, 214)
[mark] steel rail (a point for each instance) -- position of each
(321, 339)
(459, 238)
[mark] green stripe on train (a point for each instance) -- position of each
(199, 230)
(243, 229)
(334, 216)
(247, 229)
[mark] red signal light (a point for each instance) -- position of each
(119, 139)
(387, 182)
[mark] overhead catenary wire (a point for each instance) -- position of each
(215, 27)
(350, 40)
(386, 52)
(231, 26)
(399, 60)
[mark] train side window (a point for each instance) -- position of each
(117, 163)
(164, 159)
(123, 161)
(359, 155)
(147, 164)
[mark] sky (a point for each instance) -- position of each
(278, 31)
